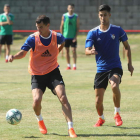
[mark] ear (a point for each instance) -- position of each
(48, 25)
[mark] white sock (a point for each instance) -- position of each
(7, 56)
(74, 65)
(70, 125)
(117, 110)
(68, 65)
(39, 118)
(102, 117)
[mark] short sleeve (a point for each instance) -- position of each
(60, 38)
(123, 36)
(89, 39)
(29, 43)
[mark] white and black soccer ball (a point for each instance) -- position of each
(13, 116)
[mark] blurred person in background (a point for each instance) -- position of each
(6, 30)
(69, 28)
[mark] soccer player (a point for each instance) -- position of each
(69, 28)
(6, 27)
(43, 67)
(106, 38)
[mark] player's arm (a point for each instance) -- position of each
(19, 55)
(6, 22)
(3, 23)
(60, 47)
(60, 41)
(61, 25)
(9, 21)
(77, 27)
(90, 51)
(128, 55)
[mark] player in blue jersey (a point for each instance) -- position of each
(106, 38)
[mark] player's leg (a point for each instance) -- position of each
(37, 91)
(2, 42)
(66, 108)
(37, 98)
(99, 95)
(115, 80)
(9, 40)
(57, 86)
(0, 49)
(7, 53)
(100, 85)
(74, 57)
(67, 45)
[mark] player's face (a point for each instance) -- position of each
(104, 17)
(42, 28)
(6, 9)
(70, 9)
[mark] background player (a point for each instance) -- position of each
(106, 38)
(69, 28)
(6, 27)
(43, 67)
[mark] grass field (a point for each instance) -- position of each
(15, 92)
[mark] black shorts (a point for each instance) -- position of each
(50, 80)
(68, 43)
(6, 39)
(101, 79)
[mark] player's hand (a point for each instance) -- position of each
(93, 51)
(10, 58)
(131, 69)
(74, 40)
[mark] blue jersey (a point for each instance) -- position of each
(106, 43)
(30, 42)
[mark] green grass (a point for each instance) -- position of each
(15, 92)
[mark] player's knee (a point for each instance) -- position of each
(114, 85)
(36, 102)
(63, 99)
(98, 102)
(73, 51)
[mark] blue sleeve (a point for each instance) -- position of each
(29, 43)
(60, 38)
(89, 40)
(123, 36)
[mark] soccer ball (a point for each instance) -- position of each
(13, 116)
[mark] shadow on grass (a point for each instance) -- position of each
(46, 135)
(32, 137)
(126, 127)
(109, 135)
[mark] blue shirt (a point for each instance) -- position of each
(106, 43)
(30, 42)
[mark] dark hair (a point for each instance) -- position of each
(6, 5)
(72, 5)
(43, 18)
(104, 7)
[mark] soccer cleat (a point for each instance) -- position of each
(68, 68)
(74, 68)
(72, 133)
(99, 122)
(6, 60)
(118, 120)
(42, 127)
